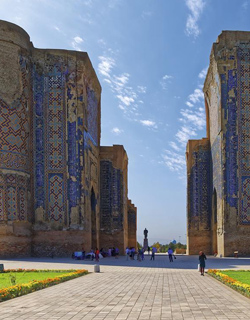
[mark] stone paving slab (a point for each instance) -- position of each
(131, 290)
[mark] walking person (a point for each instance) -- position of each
(142, 254)
(139, 254)
(127, 253)
(97, 252)
(153, 253)
(132, 255)
(202, 259)
(170, 254)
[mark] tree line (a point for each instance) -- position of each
(164, 247)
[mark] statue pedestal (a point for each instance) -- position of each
(145, 244)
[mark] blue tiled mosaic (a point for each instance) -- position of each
(200, 188)
(111, 203)
(243, 59)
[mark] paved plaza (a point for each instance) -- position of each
(131, 290)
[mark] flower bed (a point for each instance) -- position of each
(21, 289)
(234, 284)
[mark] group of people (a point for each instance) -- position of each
(131, 252)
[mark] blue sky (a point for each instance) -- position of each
(151, 58)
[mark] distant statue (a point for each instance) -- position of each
(145, 233)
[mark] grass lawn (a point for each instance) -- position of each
(13, 278)
(237, 280)
(15, 283)
(242, 276)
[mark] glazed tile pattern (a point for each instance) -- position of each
(244, 132)
(92, 120)
(111, 203)
(199, 187)
(14, 151)
(49, 139)
(217, 166)
(13, 197)
(14, 128)
(227, 93)
(229, 104)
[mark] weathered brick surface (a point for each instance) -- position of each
(218, 180)
(50, 103)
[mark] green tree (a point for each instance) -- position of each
(139, 246)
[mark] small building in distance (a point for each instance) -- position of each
(218, 166)
(52, 195)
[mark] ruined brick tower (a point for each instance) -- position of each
(218, 167)
(50, 150)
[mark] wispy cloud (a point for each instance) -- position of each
(76, 42)
(149, 123)
(174, 146)
(116, 131)
(125, 100)
(189, 104)
(192, 120)
(106, 65)
(196, 96)
(141, 89)
(173, 160)
(195, 118)
(203, 73)
(184, 134)
(196, 7)
(129, 97)
(165, 80)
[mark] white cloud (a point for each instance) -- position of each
(196, 118)
(174, 161)
(174, 146)
(203, 73)
(184, 134)
(148, 123)
(128, 96)
(116, 131)
(101, 42)
(189, 104)
(142, 89)
(78, 39)
(164, 80)
(166, 77)
(75, 43)
(197, 96)
(121, 80)
(125, 99)
(196, 7)
(106, 65)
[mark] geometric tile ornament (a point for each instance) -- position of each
(111, 203)
(243, 59)
(14, 151)
(14, 129)
(56, 197)
(50, 139)
(92, 115)
(199, 187)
